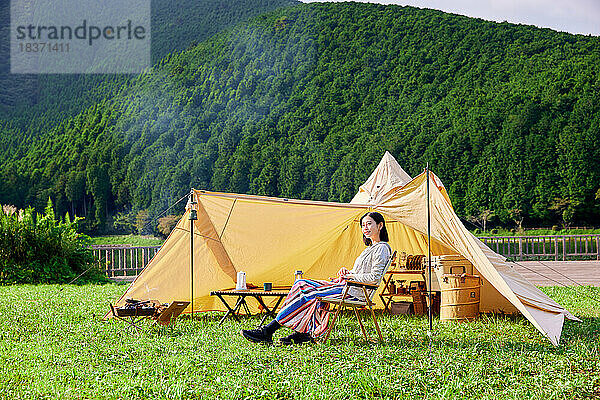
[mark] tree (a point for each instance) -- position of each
(516, 214)
(506, 120)
(565, 209)
(142, 221)
(99, 187)
(167, 223)
(125, 222)
(481, 218)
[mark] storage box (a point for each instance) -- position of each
(451, 264)
(401, 307)
(445, 265)
(419, 306)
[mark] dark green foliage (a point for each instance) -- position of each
(41, 248)
(303, 102)
(31, 104)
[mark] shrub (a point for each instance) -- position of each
(124, 222)
(142, 222)
(167, 223)
(41, 249)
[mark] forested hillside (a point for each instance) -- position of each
(32, 104)
(303, 102)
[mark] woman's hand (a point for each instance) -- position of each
(343, 271)
(341, 275)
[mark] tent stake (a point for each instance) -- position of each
(193, 217)
(429, 258)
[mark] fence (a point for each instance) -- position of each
(564, 247)
(123, 260)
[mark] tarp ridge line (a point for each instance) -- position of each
(282, 200)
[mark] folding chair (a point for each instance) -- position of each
(169, 314)
(344, 301)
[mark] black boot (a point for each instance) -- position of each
(263, 334)
(297, 338)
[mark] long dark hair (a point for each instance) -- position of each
(378, 218)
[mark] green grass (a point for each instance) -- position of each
(133, 240)
(54, 344)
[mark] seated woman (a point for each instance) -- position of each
(304, 313)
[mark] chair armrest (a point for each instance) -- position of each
(362, 284)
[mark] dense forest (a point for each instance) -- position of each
(36, 103)
(303, 101)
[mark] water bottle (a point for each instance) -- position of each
(241, 281)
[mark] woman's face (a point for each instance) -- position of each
(371, 229)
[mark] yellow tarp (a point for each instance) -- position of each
(270, 238)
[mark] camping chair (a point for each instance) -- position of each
(169, 314)
(344, 301)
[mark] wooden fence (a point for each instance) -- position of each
(564, 247)
(122, 260)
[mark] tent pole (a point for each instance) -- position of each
(429, 257)
(193, 217)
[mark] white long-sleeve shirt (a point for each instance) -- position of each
(369, 266)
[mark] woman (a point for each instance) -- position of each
(304, 313)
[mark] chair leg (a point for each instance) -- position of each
(361, 324)
(332, 323)
(369, 303)
(375, 322)
(337, 312)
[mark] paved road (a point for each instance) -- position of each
(558, 273)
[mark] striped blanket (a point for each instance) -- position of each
(302, 311)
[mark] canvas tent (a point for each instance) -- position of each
(269, 238)
(388, 176)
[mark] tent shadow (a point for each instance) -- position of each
(213, 318)
(208, 317)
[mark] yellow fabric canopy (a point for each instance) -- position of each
(270, 238)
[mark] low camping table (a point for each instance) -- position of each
(133, 316)
(280, 293)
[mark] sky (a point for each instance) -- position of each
(574, 16)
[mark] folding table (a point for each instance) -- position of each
(279, 292)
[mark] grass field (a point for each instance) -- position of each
(54, 344)
(133, 240)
